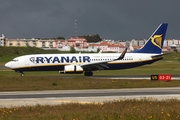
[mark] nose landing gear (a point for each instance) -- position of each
(22, 73)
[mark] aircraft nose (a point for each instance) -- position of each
(8, 65)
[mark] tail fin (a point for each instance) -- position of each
(155, 42)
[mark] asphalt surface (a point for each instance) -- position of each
(24, 98)
(14, 99)
(88, 93)
(137, 77)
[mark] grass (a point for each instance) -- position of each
(30, 83)
(169, 65)
(160, 67)
(52, 80)
(144, 109)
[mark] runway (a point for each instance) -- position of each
(130, 77)
(57, 97)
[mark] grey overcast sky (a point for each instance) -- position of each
(111, 19)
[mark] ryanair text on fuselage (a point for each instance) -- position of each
(60, 59)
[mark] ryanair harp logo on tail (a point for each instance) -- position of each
(157, 40)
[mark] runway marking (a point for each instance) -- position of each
(79, 102)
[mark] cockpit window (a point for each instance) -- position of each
(15, 60)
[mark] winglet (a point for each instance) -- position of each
(122, 55)
(100, 52)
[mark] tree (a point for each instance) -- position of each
(93, 38)
(72, 50)
(59, 37)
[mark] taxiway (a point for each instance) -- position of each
(57, 97)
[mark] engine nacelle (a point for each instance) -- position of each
(72, 69)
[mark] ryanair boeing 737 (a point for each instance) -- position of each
(86, 63)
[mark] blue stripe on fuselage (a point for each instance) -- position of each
(112, 66)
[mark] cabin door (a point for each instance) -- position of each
(26, 61)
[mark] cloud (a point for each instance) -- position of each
(110, 19)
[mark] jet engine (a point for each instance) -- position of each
(72, 69)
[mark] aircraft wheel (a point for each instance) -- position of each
(88, 73)
(22, 74)
(85, 73)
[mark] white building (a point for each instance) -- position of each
(2, 40)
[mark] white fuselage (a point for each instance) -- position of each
(58, 61)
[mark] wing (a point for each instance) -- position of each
(103, 64)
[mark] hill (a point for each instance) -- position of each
(8, 53)
(17, 51)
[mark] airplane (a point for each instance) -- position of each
(86, 63)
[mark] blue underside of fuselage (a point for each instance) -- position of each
(111, 67)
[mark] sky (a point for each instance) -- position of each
(111, 19)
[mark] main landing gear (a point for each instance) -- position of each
(88, 73)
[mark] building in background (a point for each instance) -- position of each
(2, 40)
(81, 44)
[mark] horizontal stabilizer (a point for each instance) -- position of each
(160, 55)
